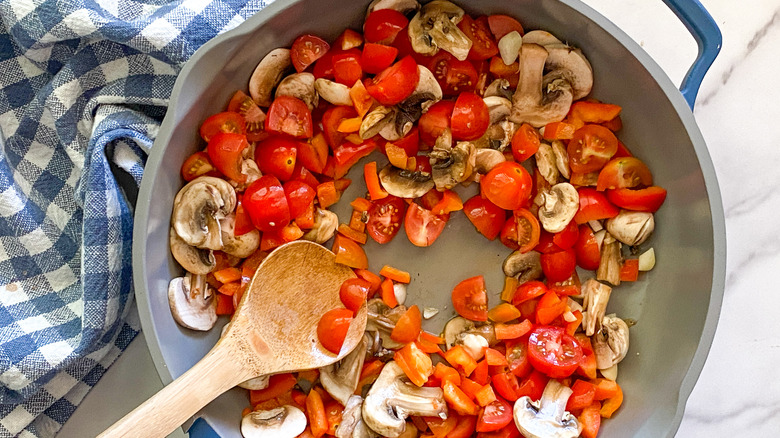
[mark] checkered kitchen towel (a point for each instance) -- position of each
(83, 88)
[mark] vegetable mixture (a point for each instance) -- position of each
(447, 100)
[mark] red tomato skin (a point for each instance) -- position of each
(554, 366)
(266, 204)
(331, 119)
(508, 185)
(277, 156)
(586, 249)
(525, 142)
(377, 57)
(568, 237)
(383, 25)
(483, 45)
(353, 293)
(559, 265)
(222, 122)
(433, 123)
(422, 226)
(332, 329)
(225, 153)
(384, 218)
(470, 117)
(648, 199)
(306, 49)
(469, 298)
(299, 196)
(347, 69)
(454, 76)
(494, 416)
(289, 115)
(501, 25)
(395, 83)
(594, 205)
(487, 217)
(591, 148)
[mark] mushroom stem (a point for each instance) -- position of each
(554, 399)
(611, 260)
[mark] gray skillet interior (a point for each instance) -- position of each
(676, 305)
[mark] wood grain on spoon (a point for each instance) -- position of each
(274, 330)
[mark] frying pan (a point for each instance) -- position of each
(676, 305)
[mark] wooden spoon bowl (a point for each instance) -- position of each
(274, 330)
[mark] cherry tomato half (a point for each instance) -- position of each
(289, 115)
(422, 226)
(299, 197)
(525, 142)
(222, 122)
(332, 329)
(624, 172)
(266, 204)
(470, 117)
(276, 155)
(648, 199)
(507, 185)
(395, 83)
(306, 49)
(494, 416)
(483, 44)
(377, 57)
(225, 151)
(558, 265)
(486, 216)
(452, 74)
(469, 298)
(196, 165)
(553, 352)
(590, 148)
(433, 123)
(346, 68)
(384, 218)
(501, 25)
(383, 25)
(353, 293)
(586, 249)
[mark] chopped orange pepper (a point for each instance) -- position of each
(361, 100)
(559, 131)
(512, 331)
(229, 288)
(388, 293)
(315, 412)
(449, 202)
(485, 396)
(375, 190)
(278, 384)
(227, 275)
(357, 236)
(590, 419)
(458, 357)
(470, 387)
(396, 155)
(225, 304)
(350, 125)
(408, 327)
(371, 368)
(593, 112)
(349, 253)
(354, 138)
(458, 400)
(361, 204)
(610, 405)
(605, 388)
(628, 272)
(327, 194)
(503, 312)
(356, 221)
(395, 274)
(306, 220)
(415, 363)
(571, 327)
(510, 286)
(370, 277)
(444, 372)
(495, 358)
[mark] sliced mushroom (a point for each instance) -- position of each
(540, 37)
(435, 27)
(282, 422)
(192, 305)
(631, 227)
(498, 136)
(376, 120)
(451, 165)
(240, 246)
(573, 65)
(325, 224)
(498, 108)
(611, 260)
(333, 92)
(610, 342)
(561, 158)
(402, 6)
(523, 266)
(404, 183)
(457, 328)
(595, 298)
(486, 159)
(560, 205)
(341, 378)
(539, 99)
(256, 383)
(301, 86)
(267, 74)
(545, 162)
(194, 260)
(197, 209)
(547, 417)
(352, 424)
(499, 88)
(426, 93)
(393, 398)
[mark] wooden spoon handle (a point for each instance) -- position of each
(182, 398)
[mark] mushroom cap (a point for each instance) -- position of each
(500, 88)
(546, 163)
(631, 227)
(402, 6)
(540, 37)
(573, 65)
(197, 209)
(267, 74)
(435, 27)
(256, 383)
(282, 422)
(301, 86)
(547, 417)
(239, 246)
(486, 159)
(560, 205)
(333, 92)
(192, 306)
(451, 166)
(376, 120)
(325, 224)
(610, 342)
(524, 266)
(194, 260)
(539, 99)
(340, 379)
(404, 183)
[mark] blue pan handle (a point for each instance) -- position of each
(201, 429)
(702, 27)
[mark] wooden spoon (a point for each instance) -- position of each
(274, 330)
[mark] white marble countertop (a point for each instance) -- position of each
(738, 393)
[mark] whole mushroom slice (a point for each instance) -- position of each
(392, 398)
(192, 305)
(300, 86)
(325, 224)
(547, 417)
(267, 75)
(595, 298)
(194, 260)
(560, 204)
(333, 92)
(402, 6)
(523, 266)
(610, 342)
(451, 165)
(376, 121)
(539, 99)
(435, 27)
(540, 37)
(282, 422)
(340, 379)
(197, 209)
(405, 183)
(239, 246)
(498, 108)
(611, 260)
(631, 227)
(573, 65)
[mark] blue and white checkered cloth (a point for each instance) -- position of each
(84, 85)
